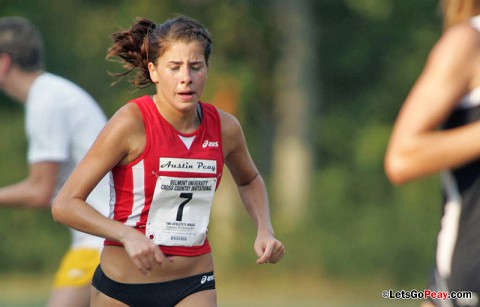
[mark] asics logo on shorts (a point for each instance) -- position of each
(206, 278)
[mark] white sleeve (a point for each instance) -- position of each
(47, 131)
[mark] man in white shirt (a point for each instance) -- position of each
(61, 121)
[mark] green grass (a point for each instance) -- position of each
(23, 290)
(301, 291)
(253, 289)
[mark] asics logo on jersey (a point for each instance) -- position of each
(207, 143)
(206, 278)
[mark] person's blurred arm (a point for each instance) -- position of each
(36, 191)
(416, 147)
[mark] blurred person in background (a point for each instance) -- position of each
(437, 132)
(61, 122)
(166, 152)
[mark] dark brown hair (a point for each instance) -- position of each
(146, 41)
(20, 39)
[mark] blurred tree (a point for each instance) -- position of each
(296, 99)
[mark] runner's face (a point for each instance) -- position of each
(181, 73)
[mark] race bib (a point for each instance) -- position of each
(180, 211)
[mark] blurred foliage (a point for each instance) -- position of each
(370, 52)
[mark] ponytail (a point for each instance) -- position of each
(132, 47)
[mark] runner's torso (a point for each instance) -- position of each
(167, 192)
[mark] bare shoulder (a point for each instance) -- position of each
(455, 58)
(231, 127)
(463, 32)
(126, 121)
(127, 115)
(125, 133)
(230, 124)
(232, 134)
(458, 42)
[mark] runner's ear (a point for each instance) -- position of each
(153, 72)
(5, 64)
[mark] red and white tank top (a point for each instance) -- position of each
(167, 192)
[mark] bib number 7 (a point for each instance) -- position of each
(170, 221)
(188, 197)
